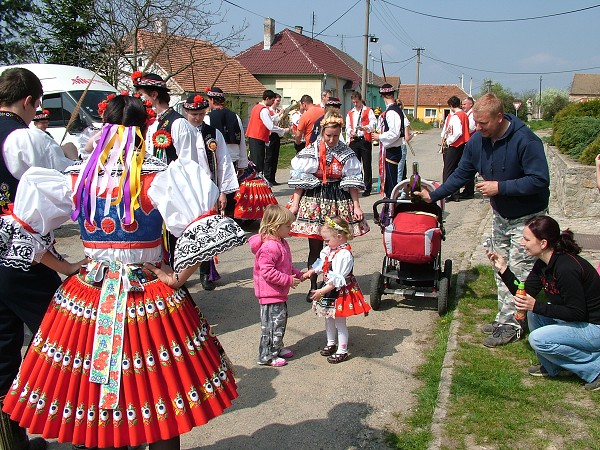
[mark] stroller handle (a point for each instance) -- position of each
(383, 201)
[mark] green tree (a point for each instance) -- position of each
(553, 100)
(506, 95)
(66, 27)
(13, 18)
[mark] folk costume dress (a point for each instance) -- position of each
(346, 299)
(121, 358)
(254, 195)
(325, 174)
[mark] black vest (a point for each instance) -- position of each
(316, 130)
(226, 122)
(396, 109)
(9, 122)
(209, 133)
(165, 123)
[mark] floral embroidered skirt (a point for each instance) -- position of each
(350, 301)
(325, 200)
(174, 372)
(252, 198)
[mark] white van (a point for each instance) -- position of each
(63, 87)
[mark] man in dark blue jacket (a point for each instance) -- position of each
(511, 160)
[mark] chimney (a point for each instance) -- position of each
(269, 32)
(160, 25)
(298, 29)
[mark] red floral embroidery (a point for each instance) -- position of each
(101, 362)
(131, 228)
(108, 225)
(89, 226)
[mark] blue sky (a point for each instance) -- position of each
(566, 42)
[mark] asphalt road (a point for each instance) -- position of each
(311, 404)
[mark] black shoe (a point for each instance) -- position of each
(366, 193)
(337, 358)
(328, 350)
(466, 195)
(308, 297)
(37, 443)
(206, 283)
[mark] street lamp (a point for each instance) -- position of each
(373, 39)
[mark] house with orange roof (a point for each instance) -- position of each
(191, 65)
(293, 64)
(432, 100)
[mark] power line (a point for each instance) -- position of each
(545, 16)
(513, 73)
(293, 26)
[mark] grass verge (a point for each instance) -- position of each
(494, 403)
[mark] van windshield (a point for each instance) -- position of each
(61, 106)
(90, 102)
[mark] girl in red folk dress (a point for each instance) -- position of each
(123, 356)
(339, 295)
(327, 177)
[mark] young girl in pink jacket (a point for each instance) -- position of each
(274, 274)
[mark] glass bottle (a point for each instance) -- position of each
(415, 183)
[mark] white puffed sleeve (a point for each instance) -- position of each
(304, 165)
(341, 266)
(42, 203)
(43, 200)
(185, 196)
(182, 193)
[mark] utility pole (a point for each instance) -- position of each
(418, 50)
(488, 83)
(363, 87)
(540, 105)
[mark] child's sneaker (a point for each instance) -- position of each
(278, 362)
(286, 353)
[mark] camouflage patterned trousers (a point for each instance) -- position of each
(273, 320)
(507, 235)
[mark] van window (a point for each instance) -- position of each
(61, 107)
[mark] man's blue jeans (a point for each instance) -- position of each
(574, 346)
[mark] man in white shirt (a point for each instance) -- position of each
(360, 122)
(467, 106)
(456, 134)
(393, 125)
(24, 295)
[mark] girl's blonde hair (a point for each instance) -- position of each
(339, 225)
(273, 218)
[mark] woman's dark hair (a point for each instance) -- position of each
(125, 110)
(545, 227)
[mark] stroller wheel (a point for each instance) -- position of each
(442, 296)
(376, 290)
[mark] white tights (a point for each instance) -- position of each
(333, 325)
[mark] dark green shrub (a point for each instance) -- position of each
(572, 134)
(588, 156)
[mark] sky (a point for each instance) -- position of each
(489, 42)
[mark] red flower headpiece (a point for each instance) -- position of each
(150, 114)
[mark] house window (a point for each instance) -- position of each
(409, 111)
(430, 112)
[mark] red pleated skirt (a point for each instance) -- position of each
(175, 374)
(252, 198)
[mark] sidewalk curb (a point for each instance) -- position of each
(443, 400)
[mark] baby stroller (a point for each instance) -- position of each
(412, 236)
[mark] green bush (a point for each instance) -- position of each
(573, 134)
(588, 156)
(576, 129)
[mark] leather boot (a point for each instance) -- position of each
(207, 284)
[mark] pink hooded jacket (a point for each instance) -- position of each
(273, 269)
